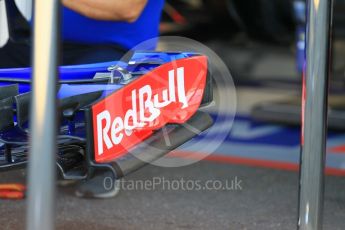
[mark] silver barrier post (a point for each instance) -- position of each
(311, 194)
(43, 119)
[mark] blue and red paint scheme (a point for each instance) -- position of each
(85, 90)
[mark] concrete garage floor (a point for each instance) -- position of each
(268, 200)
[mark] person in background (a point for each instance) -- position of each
(103, 30)
(97, 31)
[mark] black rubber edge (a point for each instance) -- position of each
(156, 147)
(208, 92)
(151, 149)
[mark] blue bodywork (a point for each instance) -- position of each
(141, 62)
(13, 148)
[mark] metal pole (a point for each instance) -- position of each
(43, 119)
(311, 194)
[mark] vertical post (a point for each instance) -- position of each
(43, 119)
(314, 128)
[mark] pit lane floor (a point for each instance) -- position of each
(264, 198)
(267, 200)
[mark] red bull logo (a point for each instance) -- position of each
(170, 93)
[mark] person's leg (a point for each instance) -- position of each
(102, 185)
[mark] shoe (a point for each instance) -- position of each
(102, 185)
(65, 183)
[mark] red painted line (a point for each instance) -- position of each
(174, 14)
(250, 162)
(337, 149)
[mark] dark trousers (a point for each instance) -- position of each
(19, 55)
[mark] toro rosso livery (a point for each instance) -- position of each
(115, 116)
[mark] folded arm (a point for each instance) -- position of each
(108, 10)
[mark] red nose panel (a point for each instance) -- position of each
(171, 93)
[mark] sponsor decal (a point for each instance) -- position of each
(171, 93)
